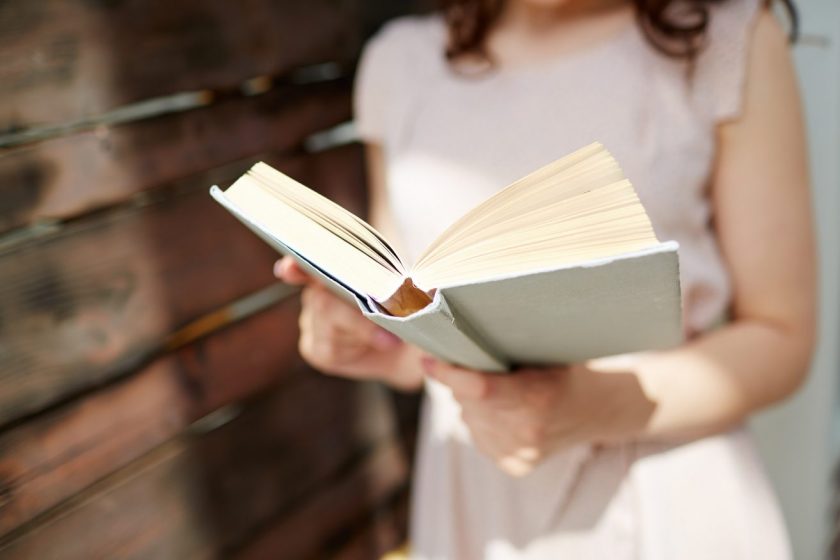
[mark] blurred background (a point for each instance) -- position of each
(152, 404)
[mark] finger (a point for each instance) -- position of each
(488, 443)
(325, 347)
(334, 352)
(290, 272)
(348, 358)
(508, 455)
(466, 384)
(515, 466)
(526, 387)
(501, 426)
(331, 355)
(618, 363)
(380, 340)
(331, 315)
(504, 391)
(345, 317)
(488, 426)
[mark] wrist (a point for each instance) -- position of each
(631, 410)
(689, 403)
(624, 406)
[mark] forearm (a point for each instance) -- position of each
(715, 381)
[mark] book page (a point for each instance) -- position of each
(574, 210)
(326, 234)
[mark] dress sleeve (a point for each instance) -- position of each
(721, 68)
(375, 94)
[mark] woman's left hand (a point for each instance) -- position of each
(518, 419)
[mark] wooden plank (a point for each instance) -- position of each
(51, 458)
(338, 174)
(66, 176)
(384, 531)
(68, 59)
(96, 300)
(310, 437)
(407, 411)
(203, 495)
(306, 533)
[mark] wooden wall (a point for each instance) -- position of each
(152, 404)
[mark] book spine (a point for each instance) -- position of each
(437, 331)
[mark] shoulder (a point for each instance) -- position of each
(395, 62)
(735, 26)
(734, 29)
(730, 28)
(413, 37)
(768, 35)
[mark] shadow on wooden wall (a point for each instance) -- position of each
(151, 399)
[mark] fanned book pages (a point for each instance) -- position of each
(560, 266)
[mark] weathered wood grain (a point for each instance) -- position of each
(51, 458)
(120, 439)
(383, 531)
(96, 300)
(64, 60)
(204, 495)
(67, 176)
(312, 437)
(306, 532)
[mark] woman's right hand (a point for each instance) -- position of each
(337, 339)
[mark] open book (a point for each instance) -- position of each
(560, 266)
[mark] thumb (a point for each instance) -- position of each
(466, 384)
(290, 272)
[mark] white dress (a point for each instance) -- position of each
(449, 143)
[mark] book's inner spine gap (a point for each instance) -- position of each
(407, 299)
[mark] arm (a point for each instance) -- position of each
(764, 225)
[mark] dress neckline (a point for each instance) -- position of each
(623, 34)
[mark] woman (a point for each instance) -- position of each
(637, 456)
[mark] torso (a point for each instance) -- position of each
(454, 142)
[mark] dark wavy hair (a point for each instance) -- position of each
(676, 28)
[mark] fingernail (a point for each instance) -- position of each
(428, 364)
(385, 340)
(278, 270)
